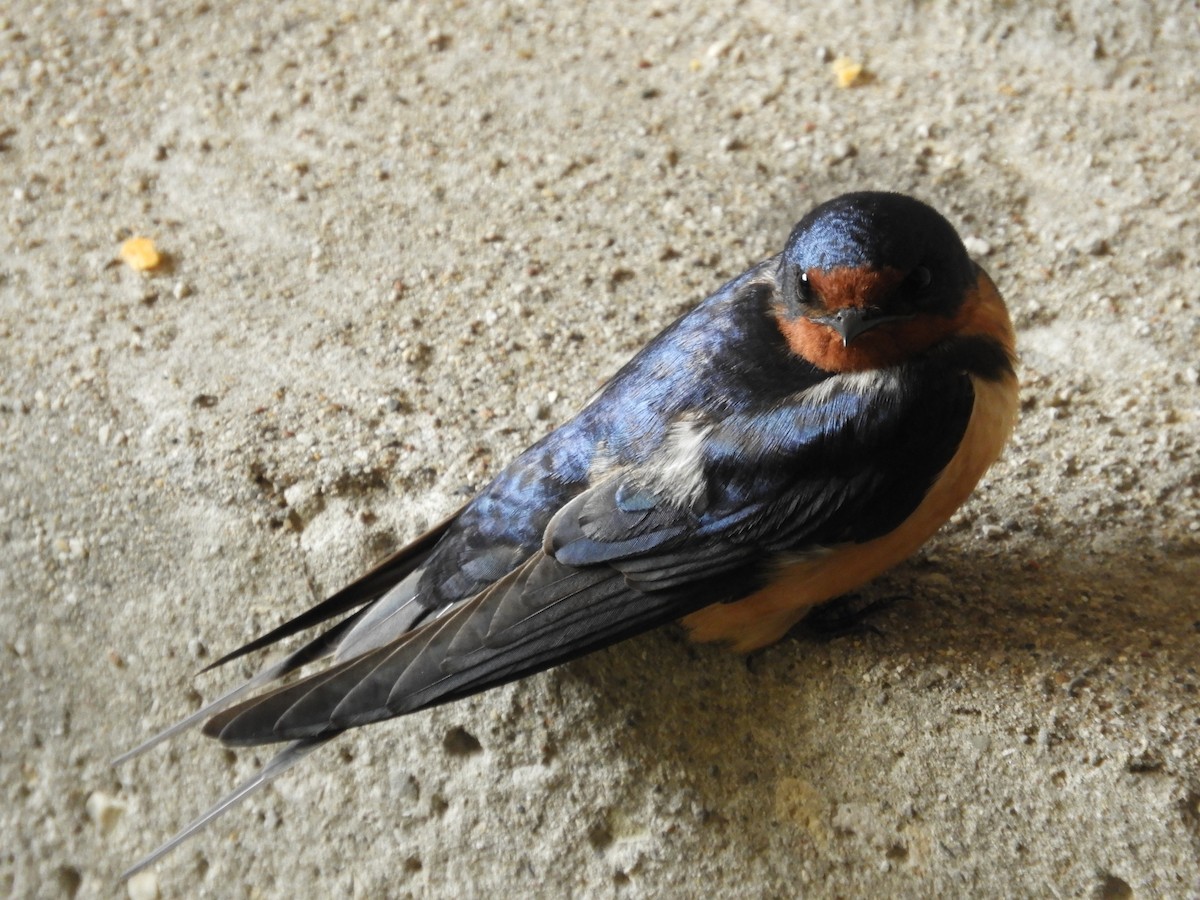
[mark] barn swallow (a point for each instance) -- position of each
(809, 425)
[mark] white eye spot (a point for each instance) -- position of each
(804, 277)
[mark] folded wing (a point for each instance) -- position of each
(634, 551)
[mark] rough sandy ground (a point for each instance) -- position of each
(405, 241)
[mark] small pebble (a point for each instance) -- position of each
(104, 810)
(841, 151)
(991, 532)
(977, 246)
(718, 49)
(143, 886)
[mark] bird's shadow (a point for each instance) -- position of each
(967, 635)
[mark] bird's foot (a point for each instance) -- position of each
(844, 616)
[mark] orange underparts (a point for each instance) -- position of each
(797, 586)
(981, 313)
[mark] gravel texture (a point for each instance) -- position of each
(398, 244)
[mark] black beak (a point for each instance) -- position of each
(851, 321)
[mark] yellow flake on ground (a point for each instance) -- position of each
(140, 253)
(848, 72)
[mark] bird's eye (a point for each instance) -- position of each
(803, 287)
(919, 278)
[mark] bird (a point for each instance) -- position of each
(806, 427)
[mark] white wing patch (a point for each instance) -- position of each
(676, 472)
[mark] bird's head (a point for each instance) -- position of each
(870, 279)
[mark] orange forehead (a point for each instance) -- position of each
(981, 313)
(853, 287)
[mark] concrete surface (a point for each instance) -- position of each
(402, 241)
